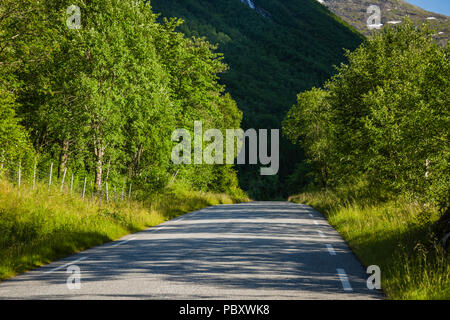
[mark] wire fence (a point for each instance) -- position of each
(65, 182)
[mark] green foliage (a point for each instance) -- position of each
(14, 142)
(103, 100)
(19, 46)
(384, 116)
(308, 123)
(193, 66)
(271, 59)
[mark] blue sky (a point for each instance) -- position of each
(438, 6)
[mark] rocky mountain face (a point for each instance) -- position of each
(355, 12)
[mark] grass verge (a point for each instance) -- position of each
(395, 235)
(37, 227)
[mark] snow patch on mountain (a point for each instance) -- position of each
(252, 5)
(249, 3)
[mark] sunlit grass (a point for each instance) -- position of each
(394, 235)
(37, 227)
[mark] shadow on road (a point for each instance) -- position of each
(254, 249)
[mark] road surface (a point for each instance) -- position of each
(256, 250)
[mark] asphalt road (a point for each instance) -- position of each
(257, 250)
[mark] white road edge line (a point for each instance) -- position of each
(315, 222)
(160, 228)
(122, 242)
(65, 265)
(344, 279)
(331, 249)
(184, 217)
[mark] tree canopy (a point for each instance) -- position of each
(103, 98)
(384, 117)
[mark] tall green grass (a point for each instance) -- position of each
(37, 227)
(395, 235)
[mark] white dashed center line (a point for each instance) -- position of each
(331, 249)
(344, 280)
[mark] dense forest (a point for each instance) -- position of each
(99, 89)
(102, 100)
(274, 52)
(383, 120)
(376, 139)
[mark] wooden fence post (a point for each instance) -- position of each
(107, 196)
(20, 173)
(84, 187)
(107, 171)
(129, 191)
(34, 173)
(50, 176)
(71, 184)
(123, 187)
(62, 181)
(3, 160)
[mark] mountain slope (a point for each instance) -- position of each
(275, 49)
(392, 11)
(271, 58)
